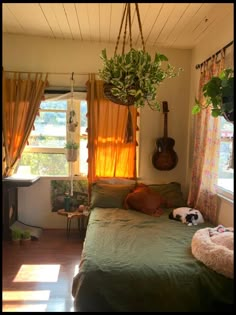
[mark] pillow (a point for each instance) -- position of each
(145, 200)
(109, 196)
(171, 194)
(116, 181)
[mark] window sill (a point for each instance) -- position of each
(225, 194)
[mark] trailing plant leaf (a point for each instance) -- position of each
(71, 145)
(218, 93)
(135, 74)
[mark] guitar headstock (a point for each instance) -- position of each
(165, 107)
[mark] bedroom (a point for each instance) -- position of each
(33, 53)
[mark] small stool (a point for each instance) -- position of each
(75, 214)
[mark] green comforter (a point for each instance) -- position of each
(135, 262)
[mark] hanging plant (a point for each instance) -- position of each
(133, 78)
(71, 151)
(72, 123)
(219, 95)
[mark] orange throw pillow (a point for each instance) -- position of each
(145, 200)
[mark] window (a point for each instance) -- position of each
(45, 153)
(226, 168)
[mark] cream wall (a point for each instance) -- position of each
(220, 36)
(23, 53)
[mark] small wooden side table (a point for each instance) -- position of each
(75, 214)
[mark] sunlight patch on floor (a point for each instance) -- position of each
(42, 295)
(37, 273)
(24, 308)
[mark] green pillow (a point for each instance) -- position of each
(171, 192)
(109, 195)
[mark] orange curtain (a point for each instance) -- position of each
(109, 154)
(20, 105)
(202, 194)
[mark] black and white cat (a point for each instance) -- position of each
(187, 215)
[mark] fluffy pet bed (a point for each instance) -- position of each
(214, 248)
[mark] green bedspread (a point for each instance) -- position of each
(135, 262)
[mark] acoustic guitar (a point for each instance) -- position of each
(165, 158)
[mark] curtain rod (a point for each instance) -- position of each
(226, 46)
(56, 73)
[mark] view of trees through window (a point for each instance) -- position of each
(226, 172)
(45, 154)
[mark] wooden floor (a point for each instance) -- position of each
(37, 277)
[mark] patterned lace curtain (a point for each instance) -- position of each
(202, 194)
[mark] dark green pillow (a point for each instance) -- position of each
(109, 195)
(171, 193)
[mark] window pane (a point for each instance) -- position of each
(50, 130)
(49, 134)
(226, 173)
(45, 164)
(54, 105)
(83, 118)
(83, 157)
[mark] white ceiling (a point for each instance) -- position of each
(173, 25)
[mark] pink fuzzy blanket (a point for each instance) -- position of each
(214, 248)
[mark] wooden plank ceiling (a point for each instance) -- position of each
(172, 25)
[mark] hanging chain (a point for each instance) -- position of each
(124, 37)
(140, 26)
(121, 25)
(127, 17)
(130, 33)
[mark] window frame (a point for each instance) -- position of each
(221, 190)
(77, 137)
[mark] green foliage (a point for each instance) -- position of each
(25, 235)
(44, 164)
(219, 94)
(71, 145)
(135, 74)
(15, 234)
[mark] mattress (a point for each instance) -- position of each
(135, 262)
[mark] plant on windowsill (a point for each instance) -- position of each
(133, 78)
(219, 95)
(72, 123)
(71, 148)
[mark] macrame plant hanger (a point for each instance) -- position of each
(127, 17)
(71, 135)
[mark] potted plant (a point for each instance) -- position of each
(25, 237)
(133, 78)
(71, 151)
(72, 123)
(16, 236)
(219, 94)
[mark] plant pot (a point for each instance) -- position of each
(229, 117)
(228, 102)
(71, 155)
(72, 127)
(108, 94)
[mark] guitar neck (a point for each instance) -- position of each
(165, 111)
(165, 125)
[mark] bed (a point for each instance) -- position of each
(135, 262)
